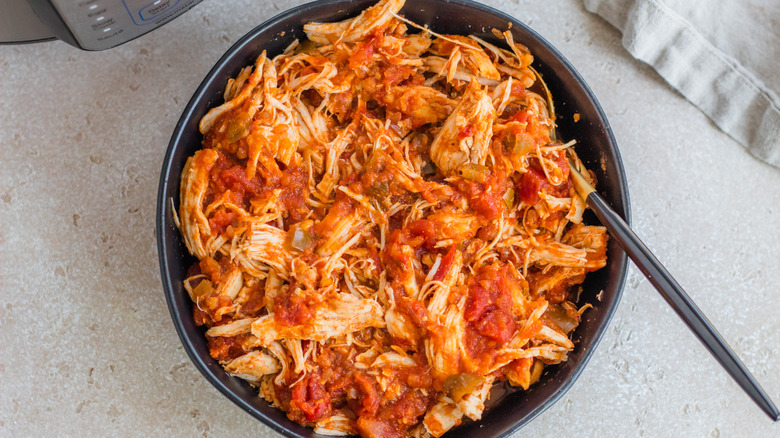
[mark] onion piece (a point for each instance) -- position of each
(460, 385)
(474, 172)
(561, 318)
(298, 238)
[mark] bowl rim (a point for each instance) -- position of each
(161, 218)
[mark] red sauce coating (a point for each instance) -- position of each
(497, 324)
(365, 49)
(466, 131)
(310, 399)
(446, 263)
(226, 347)
(221, 219)
(520, 116)
(531, 183)
(294, 309)
(489, 310)
(487, 198)
(369, 395)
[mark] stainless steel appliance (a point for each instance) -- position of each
(86, 24)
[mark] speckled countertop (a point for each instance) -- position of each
(87, 347)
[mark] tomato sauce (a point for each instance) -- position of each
(310, 399)
(221, 219)
(520, 116)
(487, 198)
(534, 182)
(446, 263)
(531, 184)
(291, 308)
(489, 310)
(364, 51)
(466, 131)
(226, 347)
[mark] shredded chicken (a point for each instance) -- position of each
(466, 135)
(339, 315)
(384, 226)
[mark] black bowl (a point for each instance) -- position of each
(507, 409)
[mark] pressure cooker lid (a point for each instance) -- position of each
(19, 24)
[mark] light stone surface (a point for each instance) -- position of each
(87, 348)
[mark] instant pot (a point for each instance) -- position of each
(86, 24)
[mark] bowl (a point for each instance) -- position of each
(508, 409)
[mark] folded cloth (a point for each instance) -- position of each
(722, 55)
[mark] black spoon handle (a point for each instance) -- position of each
(671, 291)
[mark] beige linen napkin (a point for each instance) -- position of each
(722, 55)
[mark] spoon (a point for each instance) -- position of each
(672, 292)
